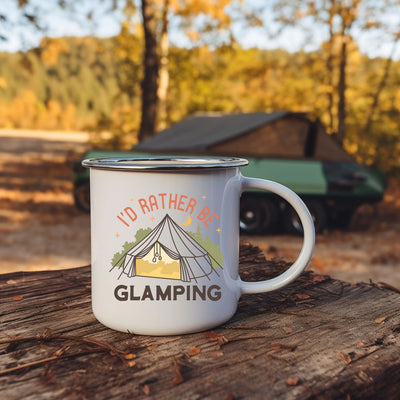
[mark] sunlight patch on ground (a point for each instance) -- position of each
(72, 136)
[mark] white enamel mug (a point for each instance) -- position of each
(165, 242)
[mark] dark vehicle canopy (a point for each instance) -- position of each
(281, 134)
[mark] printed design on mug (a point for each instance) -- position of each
(168, 251)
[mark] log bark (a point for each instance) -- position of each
(317, 338)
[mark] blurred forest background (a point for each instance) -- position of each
(119, 71)
(126, 87)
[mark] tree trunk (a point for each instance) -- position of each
(348, 14)
(381, 86)
(163, 82)
(150, 78)
(329, 67)
(342, 92)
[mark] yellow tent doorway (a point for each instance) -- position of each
(157, 264)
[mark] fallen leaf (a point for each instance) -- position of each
(379, 320)
(194, 351)
(18, 297)
(287, 329)
(303, 296)
(178, 379)
(319, 278)
(212, 335)
(361, 344)
(292, 381)
(131, 363)
(146, 389)
(345, 358)
(130, 356)
(276, 347)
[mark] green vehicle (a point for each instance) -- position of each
(289, 148)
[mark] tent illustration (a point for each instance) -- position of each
(168, 252)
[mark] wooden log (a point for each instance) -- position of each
(317, 338)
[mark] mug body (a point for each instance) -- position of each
(165, 238)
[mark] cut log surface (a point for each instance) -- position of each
(317, 338)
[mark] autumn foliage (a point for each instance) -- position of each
(89, 83)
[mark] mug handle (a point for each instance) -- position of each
(308, 242)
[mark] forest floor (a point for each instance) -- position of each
(40, 228)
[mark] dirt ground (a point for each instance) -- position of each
(40, 228)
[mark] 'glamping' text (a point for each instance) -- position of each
(125, 293)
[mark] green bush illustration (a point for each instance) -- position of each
(118, 258)
(217, 258)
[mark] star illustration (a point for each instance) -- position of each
(152, 218)
(117, 235)
(204, 197)
(219, 230)
(131, 199)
